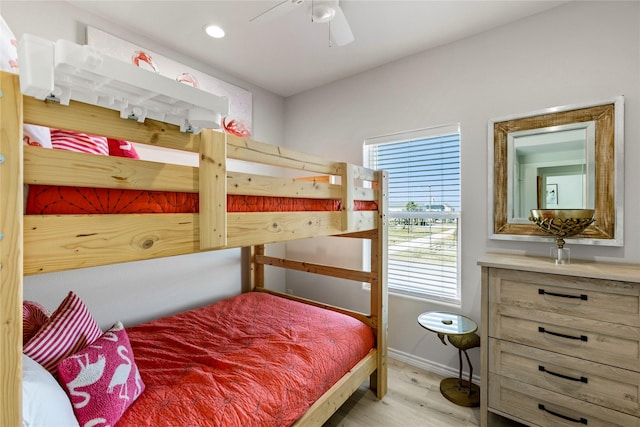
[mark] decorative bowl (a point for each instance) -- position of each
(561, 223)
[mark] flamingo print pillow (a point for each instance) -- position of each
(102, 380)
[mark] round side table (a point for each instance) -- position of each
(460, 332)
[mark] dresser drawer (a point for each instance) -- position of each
(550, 409)
(589, 381)
(608, 343)
(608, 300)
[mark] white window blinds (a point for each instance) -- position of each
(424, 210)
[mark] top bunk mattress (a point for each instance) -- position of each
(62, 200)
(251, 360)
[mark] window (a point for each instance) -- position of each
(424, 210)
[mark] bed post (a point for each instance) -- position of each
(348, 176)
(246, 269)
(258, 269)
(213, 182)
(379, 297)
(252, 272)
(11, 250)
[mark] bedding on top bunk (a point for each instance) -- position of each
(58, 200)
(61, 200)
(251, 360)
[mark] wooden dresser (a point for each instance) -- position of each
(560, 343)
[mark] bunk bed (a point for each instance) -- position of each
(38, 243)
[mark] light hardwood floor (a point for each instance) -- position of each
(413, 399)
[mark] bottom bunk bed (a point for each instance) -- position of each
(256, 359)
(266, 361)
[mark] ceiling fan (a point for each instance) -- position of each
(321, 11)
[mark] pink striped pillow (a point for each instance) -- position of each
(69, 329)
(81, 142)
(34, 316)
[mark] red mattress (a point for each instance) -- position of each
(57, 200)
(251, 360)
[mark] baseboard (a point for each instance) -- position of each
(428, 365)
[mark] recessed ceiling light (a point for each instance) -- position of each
(214, 31)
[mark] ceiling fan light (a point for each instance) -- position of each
(214, 31)
(322, 13)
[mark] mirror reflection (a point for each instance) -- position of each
(550, 168)
(568, 157)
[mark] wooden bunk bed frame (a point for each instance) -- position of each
(31, 244)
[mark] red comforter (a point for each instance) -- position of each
(58, 200)
(252, 360)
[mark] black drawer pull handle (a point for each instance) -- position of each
(555, 374)
(564, 417)
(557, 334)
(583, 297)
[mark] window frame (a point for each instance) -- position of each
(416, 135)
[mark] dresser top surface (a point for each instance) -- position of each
(580, 268)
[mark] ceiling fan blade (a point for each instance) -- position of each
(281, 8)
(340, 29)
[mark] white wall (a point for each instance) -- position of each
(579, 52)
(150, 288)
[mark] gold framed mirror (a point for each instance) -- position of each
(567, 157)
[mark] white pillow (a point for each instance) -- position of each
(44, 402)
(33, 135)
(8, 49)
(36, 135)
